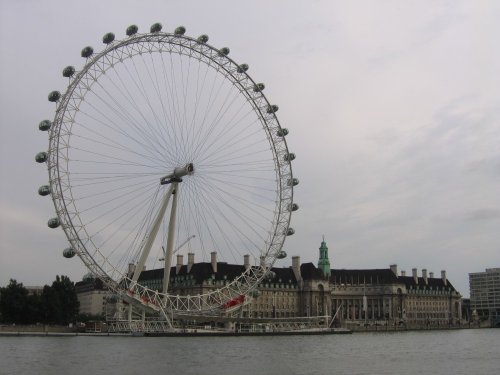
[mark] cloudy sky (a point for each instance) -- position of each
(393, 109)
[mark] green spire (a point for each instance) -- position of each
(324, 262)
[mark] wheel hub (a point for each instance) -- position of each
(177, 174)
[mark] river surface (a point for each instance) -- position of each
(470, 352)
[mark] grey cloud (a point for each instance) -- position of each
(489, 166)
(405, 189)
(484, 214)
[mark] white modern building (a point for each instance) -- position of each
(485, 293)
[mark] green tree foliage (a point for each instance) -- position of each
(59, 301)
(57, 304)
(14, 303)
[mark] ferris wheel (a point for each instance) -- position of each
(163, 143)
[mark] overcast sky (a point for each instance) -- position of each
(393, 109)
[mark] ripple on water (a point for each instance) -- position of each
(436, 352)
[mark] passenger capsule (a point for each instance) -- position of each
(156, 27)
(132, 29)
(54, 96)
(203, 39)
(68, 71)
(44, 190)
(293, 207)
(44, 125)
(242, 68)
(181, 30)
(41, 157)
(290, 231)
(272, 108)
(87, 52)
(54, 222)
(108, 38)
(293, 182)
(259, 87)
(69, 252)
(281, 254)
(289, 157)
(224, 51)
(282, 132)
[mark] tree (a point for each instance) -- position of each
(50, 306)
(57, 304)
(14, 303)
(59, 301)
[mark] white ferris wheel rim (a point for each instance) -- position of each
(59, 165)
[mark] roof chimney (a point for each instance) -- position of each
(403, 273)
(131, 269)
(246, 261)
(263, 261)
(443, 276)
(431, 275)
(296, 267)
(213, 259)
(394, 269)
(190, 261)
(414, 274)
(179, 263)
(424, 275)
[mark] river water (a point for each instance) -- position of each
(470, 352)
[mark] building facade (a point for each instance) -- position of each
(352, 296)
(485, 294)
(91, 294)
(378, 296)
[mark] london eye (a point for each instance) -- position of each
(160, 143)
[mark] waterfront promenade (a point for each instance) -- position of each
(48, 330)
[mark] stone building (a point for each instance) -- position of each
(353, 296)
(91, 294)
(374, 296)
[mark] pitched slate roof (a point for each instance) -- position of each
(361, 277)
(284, 274)
(434, 283)
(203, 271)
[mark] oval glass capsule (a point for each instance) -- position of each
(259, 87)
(203, 38)
(108, 38)
(87, 52)
(69, 252)
(132, 29)
(53, 222)
(272, 108)
(156, 27)
(68, 71)
(180, 30)
(44, 125)
(44, 190)
(41, 157)
(224, 51)
(282, 132)
(54, 96)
